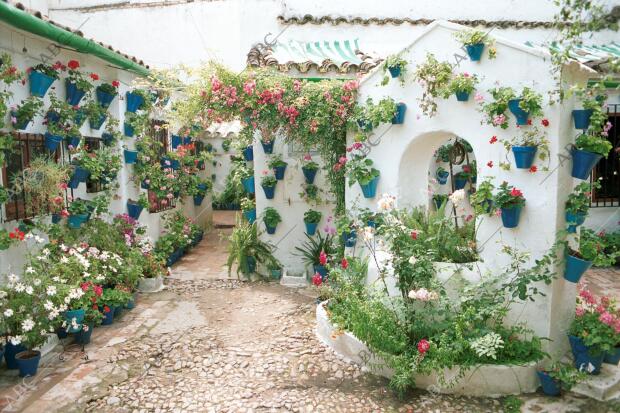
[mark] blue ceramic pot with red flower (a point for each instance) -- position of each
(511, 216)
(583, 163)
(39, 83)
(104, 98)
(521, 115)
(581, 118)
(585, 358)
(550, 386)
(474, 51)
(524, 156)
(108, 316)
(74, 93)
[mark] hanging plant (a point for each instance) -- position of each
(106, 92)
(371, 115)
(510, 201)
(42, 76)
(433, 76)
(475, 41)
(396, 66)
(495, 110)
(96, 114)
(528, 105)
(482, 199)
(531, 143)
(271, 218)
(461, 85)
(24, 113)
(8, 75)
(360, 169)
(43, 184)
(311, 194)
(77, 84)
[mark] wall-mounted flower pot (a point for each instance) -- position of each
(581, 118)
(76, 221)
(56, 218)
(399, 116)
(248, 154)
(83, 337)
(10, 351)
(583, 163)
(395, 71)
(52, 116)
(79, 118)
(250, 215)
(134, 209)
(270, 191)
(96, 125)
(270, 230)
(104, 98)
(248, 185)
(128, 130)
(130, 156)
(188, 139)
(74, 93)
(39, 83)
(278, 171)
(20, 125)
(28, 362)
(574, 220)
(276, 274)
(176, 141)
(118, 311)
(309, 174)
(462, 96)
(134, 101)
(107, 139)
(524, 156)
(198, 200)
(370, 189)
(364, 125)
(321, 270)
(311, 228)
(78, 316)
(349, 238)
(108, 318)
(144, 184)
(613, 356)
(459, 183)
(52, 141)
(73, 141)
(442, 177)
(474, 51)
(197, 238)
(79, 175)
(585, 358)
(575, 268)
(267, 147)
(550, 386)
(510, 217)
(521, 115)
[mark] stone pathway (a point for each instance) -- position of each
(211, 344)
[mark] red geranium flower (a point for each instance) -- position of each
(323, 258)
(344, 263)
(94, 76)
(116, 83)
(414, 235)
(317, 279)
(533, 169)
(106, 309)
(73, 64)
(493, 140)
(490, 164)
(529, 121)
(516, 193)
(545, 122)
(423, 346)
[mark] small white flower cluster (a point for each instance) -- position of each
(487, 345)
(423, 295)
(457, 196)
(386, 203)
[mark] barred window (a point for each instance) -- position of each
(607, 171)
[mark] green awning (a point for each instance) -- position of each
(336, 51)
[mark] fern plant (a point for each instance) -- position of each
(246, 250)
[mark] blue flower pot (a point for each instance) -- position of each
(349, 238)
(248, 185)
(395, 71)
(134, 101)
(442, 177)
(20, 125)
(248, 154)
(613, 356)
(584, 358)
(462, 96)
(581, 117)
(583, 163)
(79, 118)
(521, 115)
(104, 98)
(28, 363)
(61, 333)
(107, 138)
(108, 318)
(52, 117)
(79, 175)
(370, 189)
(251, 264)
(39, 83)
(130, 156)
(144, 185)
(550, 386)
(188, 139)
(176, 141)
(321, 270)
(575, 267)
(279, 172)
(267, 147)
(76, 221)
(74, 141)
(131, 304)
(83, 337)
(510, 217)
(78, 315)
(399, 116)
(364, 125)
(309, 175)
(459, 183)
(74, 94)
(52, 141)
(475, 51)
(311, 228)
(250, 215)
(98, 123)
(270, 230)
(9, 354)
(198, 200)
(197, 238)
(134, 210)
(524, 156)
(118, 311)
(270, 191)
(128, 130)
(574, 220)
(56, 218)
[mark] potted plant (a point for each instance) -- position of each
(525, 147)
(309, 168)
(226, 145)
(371, 115)
(439, 200)
(246, 176)
(76, 84)
(396, 66)
(271, 218)
(134, 208)
(461, 85)
(247, 250)
(24, 113)
(200, 191)
(153, 268)
(592, 108)
(578, 261)
(92, 318)
(248, 207)
(106, 92)
(268, 182)
(278, 166)
(276, 272)
(434, 76)
(79, 174)
(316, 251)
(267, 143)
(442, 175)
(578, 205)
(462, 177)
(130, 156)
(495, 109)
(135, 100)
(360, 169)
(96, 114)
(511, 201)
(559, 376)
(482, 199)
(79, 213)
(474, 42)
(529, 104)
(41, 78)
(312, 219)
(589, 149)
(42, 184)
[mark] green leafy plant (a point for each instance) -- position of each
(508, 196)
(482, 199)
(592, 248)
(495, 110)
(360, 169)
(26, 111)
(226, 145)
(598, 144)
(565, 374)
(310, 251)
(248, 204)
(268, 181)
(578, 201)
(244, 245)
(103, 164)
(271, 217)
(79, 207)
(531, 136)
(461, 83)
(394, 61)
(308, 163)
(531, 102)
(434, 76)
(276, 161)
(371, 114)
(109, 88)
(51, 70)
(312, 217)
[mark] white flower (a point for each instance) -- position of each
(8, 312)
(29, 270)
(386, 203)
(487, 345)
(64, 260)
(27, 325)
(51, 290)
(368, 234)
(19, 287)
(15, 340)
(48, 305)
(29, 290)
(36, 282)
(457, 196)
(423, 295)
(13, 278)
(38, 239)
(412, 260)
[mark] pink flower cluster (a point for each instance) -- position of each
(588, 303)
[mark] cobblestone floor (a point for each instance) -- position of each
(211, 344)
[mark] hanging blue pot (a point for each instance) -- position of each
(83, 337)
(510, 217)
(188, 139)
(581, 117)
(364, 125)
(108, 318)
(462, 96)
(394, 71)
(176, 141)
(52, 141)
(270, 191)
(52, 117)
(134, 209)
(248, 185)
(574, 220)
(550, 386)
(144, 185)
(79, 118)
(475, 51)
(107, 138)
(78, 176)
(459, 183)
(96, 125)
(74, 141)
(76, 221)
(583, 163)
(613, 356)
(248, 154)
(39, 83)
(278, 171)
(442, 177)
(399, 116)
(349, 238)
(370, 189)
(198, 199)
(250, 215)
(267, 147)
(311, 228)
(584, 357)
(128, 130)
(524, 156)
(20, 125)
(74, 93)
(575, 267)
(321, 270)
(270, 230)
(10, 351)
(56, 218)
(104, 98)
(309, 174)
(130, 156)
(134, 101)
(28, 362)
(521, 115)
(78, 316)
